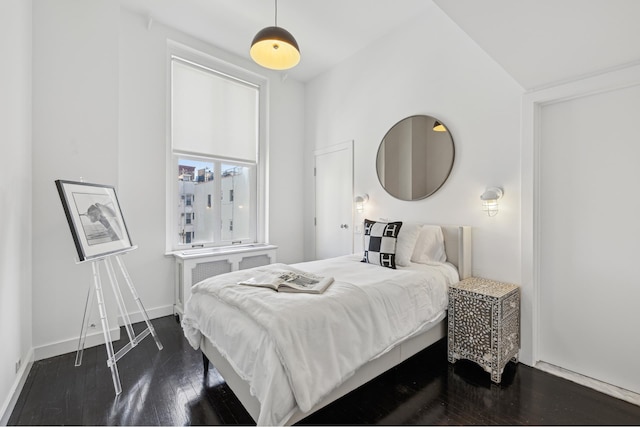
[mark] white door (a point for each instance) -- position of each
(334, 200)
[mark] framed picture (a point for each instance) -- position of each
(95, 219)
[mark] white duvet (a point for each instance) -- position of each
(295, 348)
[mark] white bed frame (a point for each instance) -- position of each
(457, 241)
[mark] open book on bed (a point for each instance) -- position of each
(289, 281)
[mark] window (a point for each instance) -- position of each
(195, 199)
(217, 185)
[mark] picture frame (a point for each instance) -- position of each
(95, 219)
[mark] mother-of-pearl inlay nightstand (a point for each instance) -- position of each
(484, 323)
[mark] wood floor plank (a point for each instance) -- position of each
(20, 403)
(43, 404)
(167, 388)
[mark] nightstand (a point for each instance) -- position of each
(484, 324)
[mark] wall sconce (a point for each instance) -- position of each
(490, 200)
(360, 201)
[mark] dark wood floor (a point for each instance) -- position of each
(167, 388)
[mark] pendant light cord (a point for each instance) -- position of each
(276, 19)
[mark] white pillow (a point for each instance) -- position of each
(429, 247)
(407, 239)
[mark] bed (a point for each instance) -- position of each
(287, 355)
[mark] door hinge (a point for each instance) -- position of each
(314, 171)
(315, 223)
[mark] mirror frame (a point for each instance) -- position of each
(382, 143)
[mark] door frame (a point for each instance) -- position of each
(532, 104)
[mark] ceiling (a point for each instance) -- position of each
(538, 42)
(541, 42)
(327, 31)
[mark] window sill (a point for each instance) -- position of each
(220, 250)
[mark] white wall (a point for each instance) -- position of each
(590, 236)
(428, 67)
(75, 134)
(100, 89)
(15, 197)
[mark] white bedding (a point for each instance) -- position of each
(293, 349)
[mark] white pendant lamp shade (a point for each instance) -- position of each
(275, 48)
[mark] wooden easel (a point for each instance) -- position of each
(95, 292)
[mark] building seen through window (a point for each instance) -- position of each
(197, 185)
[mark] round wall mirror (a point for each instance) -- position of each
(415, 158)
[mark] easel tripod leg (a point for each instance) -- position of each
(85, 325)
(127, 279)
(120, 301)
(111, 362)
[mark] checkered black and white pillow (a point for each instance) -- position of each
(380, 242)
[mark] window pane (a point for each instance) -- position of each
(195, 213)
(236, 202)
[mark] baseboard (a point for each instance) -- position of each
(610, 389)
(94, 338)
(7, 406)
(153, 313)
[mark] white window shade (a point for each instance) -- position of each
(213, 114)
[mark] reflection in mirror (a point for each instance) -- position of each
(415, 158)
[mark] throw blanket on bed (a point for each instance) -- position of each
(320, 340)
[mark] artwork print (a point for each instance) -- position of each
(95, 218)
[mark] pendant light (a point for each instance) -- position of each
(275, 48)
(439, 127)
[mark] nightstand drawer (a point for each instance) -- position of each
(510, 304)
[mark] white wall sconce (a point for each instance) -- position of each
(360, 201)
(490, 200)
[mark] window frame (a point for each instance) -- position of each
(216, 194)
(259, 225)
